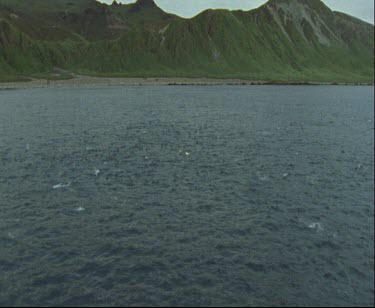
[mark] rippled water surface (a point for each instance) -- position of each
(187, 196)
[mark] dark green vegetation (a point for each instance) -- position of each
(283, 40)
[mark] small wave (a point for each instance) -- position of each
(256, 267)
(80, 209)
(310, 180)
(266, 133)
(61, 185)
(327, 244)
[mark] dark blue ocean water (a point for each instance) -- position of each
(220, 196)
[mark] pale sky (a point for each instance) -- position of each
(363, 9)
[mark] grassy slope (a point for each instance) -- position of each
(125, 40)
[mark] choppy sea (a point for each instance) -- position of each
(187, 196)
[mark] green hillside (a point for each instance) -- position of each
(283, 40)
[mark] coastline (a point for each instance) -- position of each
(80, 80)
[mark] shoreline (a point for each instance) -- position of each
(80, 80)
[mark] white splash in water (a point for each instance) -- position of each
(317, 226)
(262, 177)
(285, 175)
(80, 209)
(61, 185)
(96, 171)
(187, 153)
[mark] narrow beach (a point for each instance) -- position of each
(80, 80)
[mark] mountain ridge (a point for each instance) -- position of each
(280, 40)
